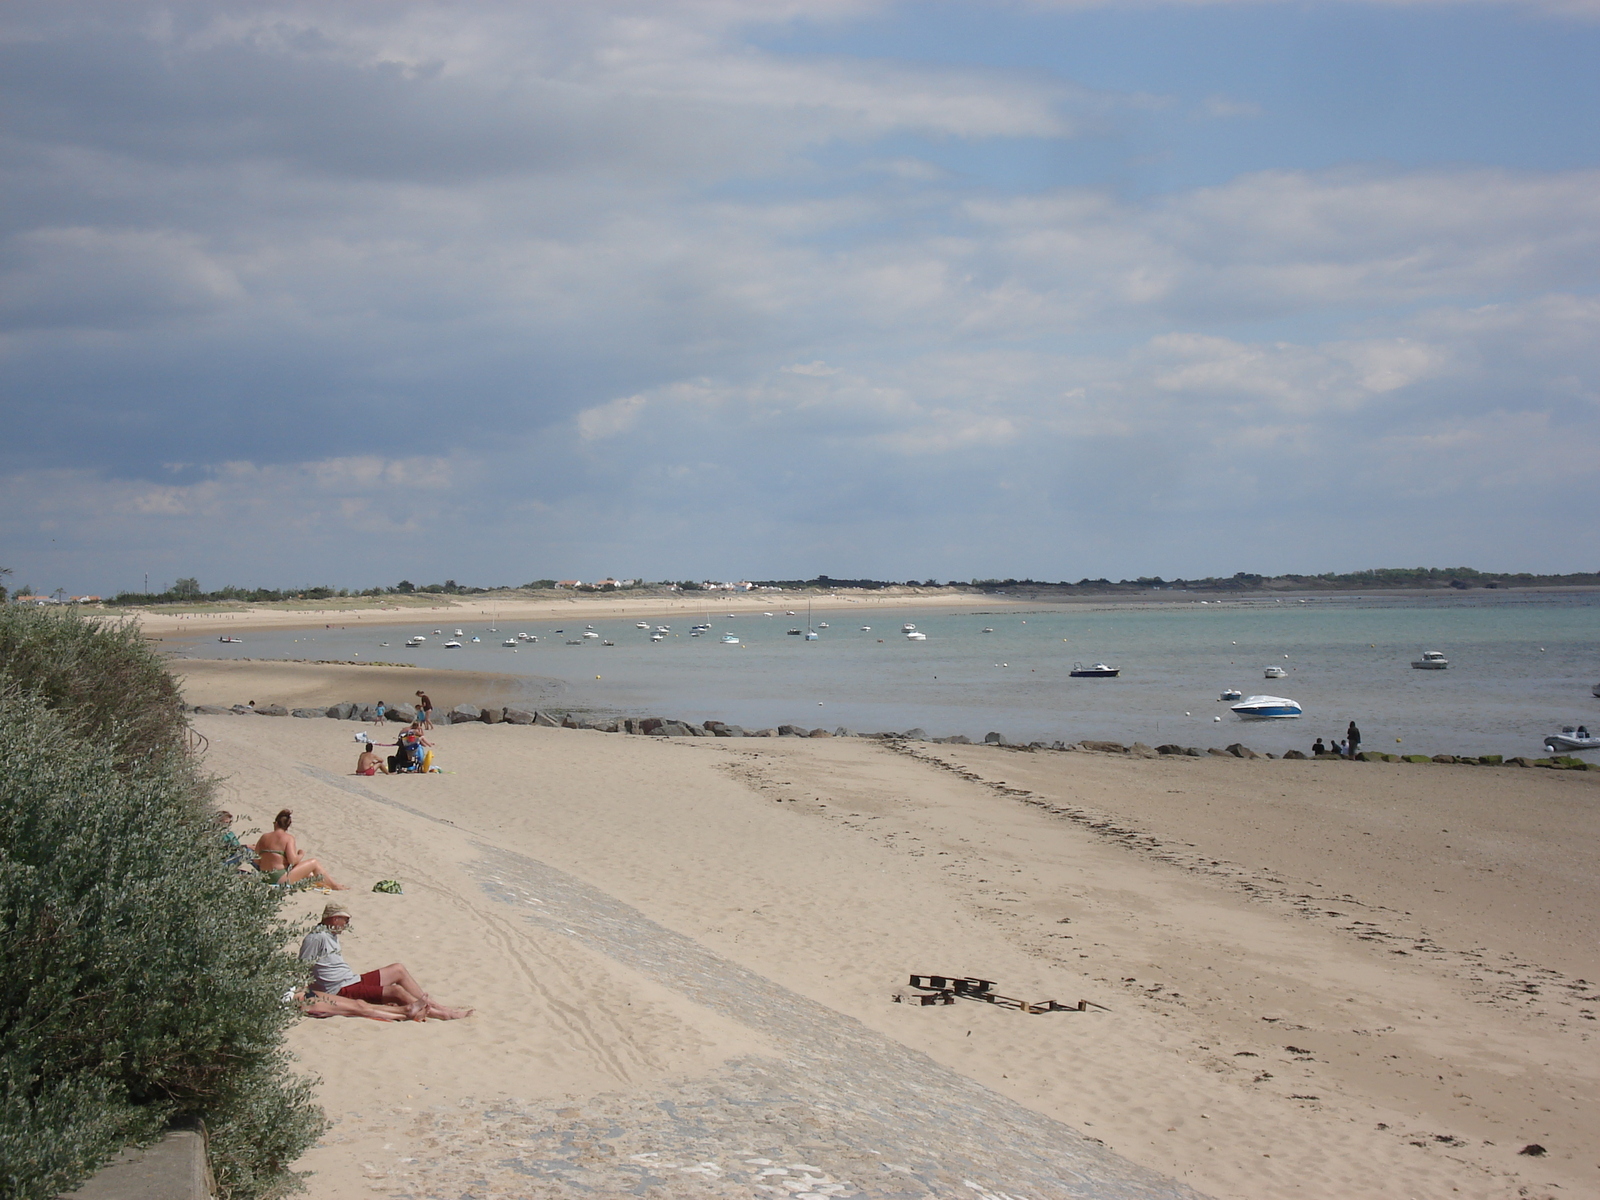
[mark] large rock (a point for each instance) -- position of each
(341, 711)
(271, 710)
(792, 731)
(819, 733)
(518, 716)
(915, 735)
(1169, 748)
(404, 714)
(546, 721)
(1105, 747)
(763, 733)
(728, 730)
(672, 729)
(958, 739)
(1140, 750)
(309, 712)
(1294, 754)
(212, 710)
(368, 713)
(995, 739)
(492, 715)
(243, 710)
(462, 713)
(651, 724)
(841, 731)
(1215, 753)
(1238, 750)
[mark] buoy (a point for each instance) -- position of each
(1188, 714)
(597, 677)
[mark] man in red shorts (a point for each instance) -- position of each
(392, 984)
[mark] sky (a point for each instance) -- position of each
(345, 293)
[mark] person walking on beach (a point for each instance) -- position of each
(1353, 736)
(378, 720)
(425, 707)
(393, 984)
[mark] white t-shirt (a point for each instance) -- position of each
(321, 950)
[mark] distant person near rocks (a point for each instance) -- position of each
(1318, 748)
(1353, 736)
(379, 709)
(425, 707)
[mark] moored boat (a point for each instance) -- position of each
(1266, 708)
(1570, 739)
(1431, 660)
(1098, 671)
(1230, 694)
(1274, 673)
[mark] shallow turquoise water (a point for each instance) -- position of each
(1520, 667)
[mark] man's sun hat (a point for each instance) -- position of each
(334, 910)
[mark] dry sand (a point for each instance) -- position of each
(1323, 979)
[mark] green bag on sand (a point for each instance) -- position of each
(391, 886)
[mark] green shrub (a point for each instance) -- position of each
(142, 979)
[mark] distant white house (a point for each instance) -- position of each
(569, 583)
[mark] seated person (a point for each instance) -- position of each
(369, 763)
(280, 858)
(391, 985)
(234, 853)
(325, 1004)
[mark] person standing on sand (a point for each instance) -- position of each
(1353, 736)
(379, 719)
(425, 707)
(392, 984)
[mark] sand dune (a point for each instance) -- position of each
(684, 954)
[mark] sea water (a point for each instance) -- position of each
(1521, 666)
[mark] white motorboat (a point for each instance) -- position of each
(908, 628)
(522, 637)
(589, 633)
(1266, 708)
(459, 633)
(1098, 671)
(822, 624)
(476, 638)
(795, 632)
(986, 629)
(868, 629)
(641, 624)
(1571, 738)
(512, 642)
(729, 640)
(812, 635)
(1274, 673)
(914, 636)
(1230, 694)
(1431, 660)
(233, 640)
(452, 645)
(663, 628)
(658, 636)
(439, 631)
(414, 642)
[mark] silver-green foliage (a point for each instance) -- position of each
(140, 980)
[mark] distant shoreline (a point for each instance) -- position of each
(198, 619)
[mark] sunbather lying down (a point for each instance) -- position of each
(322, 1005)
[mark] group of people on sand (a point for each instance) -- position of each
(388, 993)
(1348, 748)
(413, 754)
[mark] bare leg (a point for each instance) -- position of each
(399, 982)
(308, 868)
(396, 973)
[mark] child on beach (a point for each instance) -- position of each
(380, 711)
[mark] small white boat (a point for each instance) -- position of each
(512, 642)
(459, 633)
(522, 637)
(589, 633)
(476, 638)
(812, 635)
(1098, 671)
(729, 640)
(986, 629)
(868, 629)
(908, 628)
(1274, 673)
(914, 636)
(1230, 694)
(416, 641)
(663, 628)
(1266, 708)
(1571, 738)
(233, 640)
(822, 624)
(439, 631)
(532, 637)
(641, 624)
(657, 636)
(608, 643)
(1431, 660)
(452, 645)
(795, 632)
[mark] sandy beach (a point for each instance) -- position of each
(1317, 979)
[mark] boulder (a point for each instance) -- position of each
(342, 711)
(763, 733)
(1241, 751)
(915, 735)
(727, 731)
(308, 712)
(958, 739)
(462, 713)
(1105, 747)
(841, 731)
(243, 710)
(792, 731)
(1169, 748)
(1140, 750)
(1416, 758)
(1443, 758)
(368, 713)
(1215, 753)
(700, 731)
(1519, 761)
(1294, 754)
(609, 726)
(672, 729)
(212, 710)
(651, 724)
(518, 716)
(992, 738)
(1490, 760)
(819, 733)
(403, 715)
(492, 715)
(271, 710)
(546, 720)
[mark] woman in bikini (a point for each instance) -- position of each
(280, 859)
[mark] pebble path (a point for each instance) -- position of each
(842, 1111)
